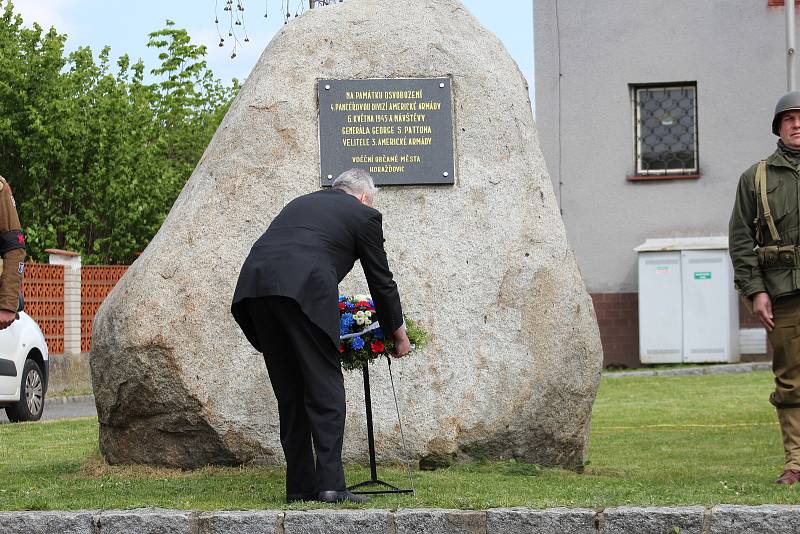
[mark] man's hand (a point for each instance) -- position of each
(762, 307)
(402, 345)
(6, 318)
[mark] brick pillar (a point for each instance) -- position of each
(618, 321)
(72, 297)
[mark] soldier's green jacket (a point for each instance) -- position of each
(783, 192)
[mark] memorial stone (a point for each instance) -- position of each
(481, 259)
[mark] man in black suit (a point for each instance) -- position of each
(286, 302)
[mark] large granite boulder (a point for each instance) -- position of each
(484, 266)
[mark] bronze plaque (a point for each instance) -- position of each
(400, 130)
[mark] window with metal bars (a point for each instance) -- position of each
(665, 122)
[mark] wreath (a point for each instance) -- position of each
(361, 337)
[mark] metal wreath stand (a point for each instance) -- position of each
(360, 488)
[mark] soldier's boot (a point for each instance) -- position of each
(789, 419)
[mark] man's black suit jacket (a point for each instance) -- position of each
(307, 250)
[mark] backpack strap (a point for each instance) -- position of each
(761, 189)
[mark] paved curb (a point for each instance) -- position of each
(723, 519)
(728, 368)
(68, 400)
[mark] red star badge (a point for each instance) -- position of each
(21, 239)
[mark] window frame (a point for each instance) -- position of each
(662, 174)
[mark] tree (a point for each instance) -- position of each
(97, 156)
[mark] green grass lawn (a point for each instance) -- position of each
(655, 441)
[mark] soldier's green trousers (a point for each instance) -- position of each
(785, 341)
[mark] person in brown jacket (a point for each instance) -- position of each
(12, 249)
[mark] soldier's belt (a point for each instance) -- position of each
(785, 256)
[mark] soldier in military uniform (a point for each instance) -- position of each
(764, 234)
(12, 249)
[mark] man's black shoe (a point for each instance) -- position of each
(340, 496)
(297, 497)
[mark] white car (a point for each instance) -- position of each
(24, 366)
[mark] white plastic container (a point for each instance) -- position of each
(688, 308)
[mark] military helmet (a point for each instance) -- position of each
(788, 102)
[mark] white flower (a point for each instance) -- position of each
(360, 317)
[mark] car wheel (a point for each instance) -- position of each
(31, 401)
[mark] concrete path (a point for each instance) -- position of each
(63, 408)
(83, 406)
(722, 369)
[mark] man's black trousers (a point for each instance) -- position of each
(306, 375)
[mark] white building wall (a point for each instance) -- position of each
(587, 52)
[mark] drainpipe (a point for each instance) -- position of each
(790, 50)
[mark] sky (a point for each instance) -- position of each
(124, 25)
